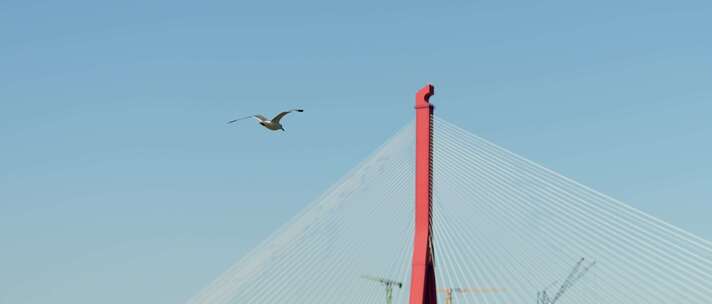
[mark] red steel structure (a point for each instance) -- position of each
(422, 288)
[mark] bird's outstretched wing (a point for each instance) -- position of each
(279, 116)
(241, 118)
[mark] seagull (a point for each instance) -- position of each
(272, 124)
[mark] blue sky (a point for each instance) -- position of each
(120, 182)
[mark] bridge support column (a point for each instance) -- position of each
(422, 288)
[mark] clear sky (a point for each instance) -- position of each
(121, 183)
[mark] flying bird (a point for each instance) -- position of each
(272, 124)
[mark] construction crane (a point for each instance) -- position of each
(389, 284)
(576, 273)
(449, 292)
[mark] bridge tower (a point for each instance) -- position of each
(422, 288)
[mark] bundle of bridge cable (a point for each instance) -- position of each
(505, 230)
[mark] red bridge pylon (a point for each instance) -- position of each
(422, 288)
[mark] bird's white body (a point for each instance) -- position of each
(273, 124)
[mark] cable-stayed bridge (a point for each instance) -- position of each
(438, 214)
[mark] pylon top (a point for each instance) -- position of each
(422, 98)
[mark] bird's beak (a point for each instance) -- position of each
(283, 130)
